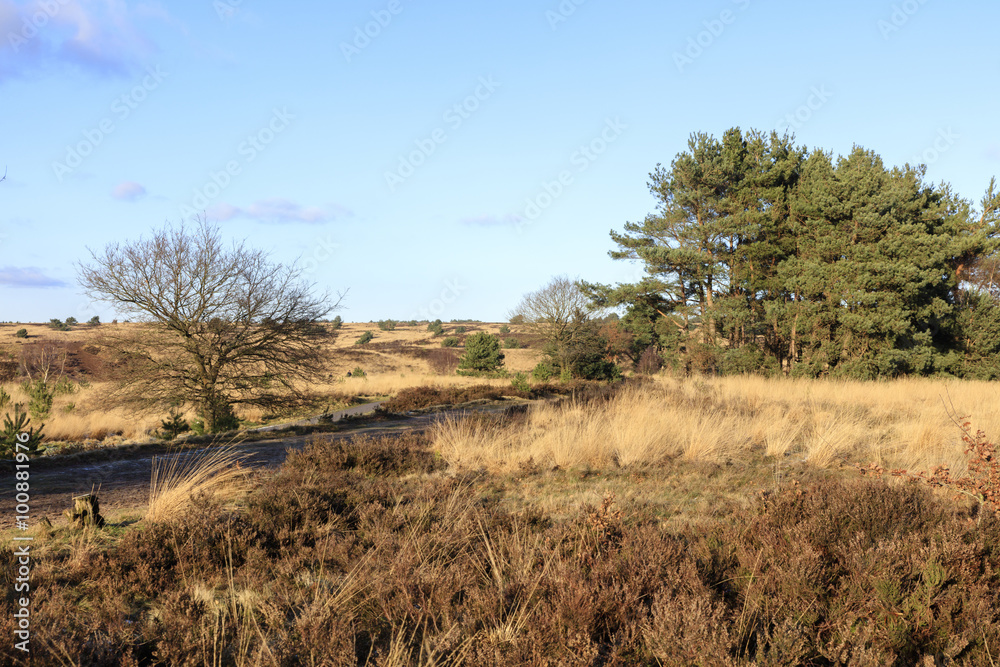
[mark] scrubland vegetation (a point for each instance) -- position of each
(667, 521)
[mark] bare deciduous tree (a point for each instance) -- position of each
(222, 326)
(560, 313)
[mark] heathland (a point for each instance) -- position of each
(657, 520)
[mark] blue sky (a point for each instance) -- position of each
(442, 159)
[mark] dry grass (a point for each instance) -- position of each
(180, 478)
(904, 424)
(393, 361)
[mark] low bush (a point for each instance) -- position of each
(543, 372)
(504, 329)
(414, 398)
(511, 343)
(520, 382)
(387, 325)
(17, 436)
(358, 548)
(450, 341)
(460, 330)
(442, 361)
(364, 338)
(173, 426)
(21, 333)
(482, 354)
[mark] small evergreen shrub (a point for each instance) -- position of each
(512, 343)
(10, 435)
(337, 322)
(520, 381)
(482, 354)
(450, 341)
(358, 372)
(173, 426)
(436, 328)
(364, 338)
(71, 321)
(460, 330)
(543, 372)
(94, 321)
(21, 333)
(504, 329)
(41, 395)
(387, 325)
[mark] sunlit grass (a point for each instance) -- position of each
(906, 423)
(180, 478)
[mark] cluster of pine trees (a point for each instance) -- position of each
(764, 256)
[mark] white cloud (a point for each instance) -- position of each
(128, 191)
(276, 210)
(27, 276)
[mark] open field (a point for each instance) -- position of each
(394, 360)
(660, 521)
(434, 550)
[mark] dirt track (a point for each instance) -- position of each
(124, 482)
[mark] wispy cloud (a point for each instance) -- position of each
(27, 276)
(128, 191)
(101, 36)
(492, 220)
(277, 210)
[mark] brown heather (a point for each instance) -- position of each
(374, 551)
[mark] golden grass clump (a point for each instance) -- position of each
(180, 478)
(904, 423)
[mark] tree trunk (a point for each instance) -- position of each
(86, 511)
(793, 349)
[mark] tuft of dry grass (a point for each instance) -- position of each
(180, 478)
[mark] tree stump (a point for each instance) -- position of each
(86, 511)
